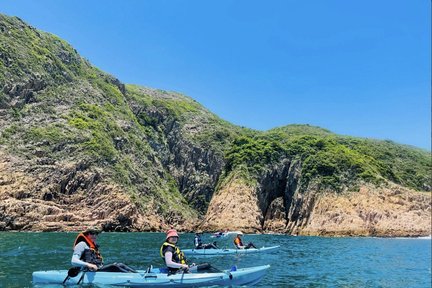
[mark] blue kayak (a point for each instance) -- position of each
(216, 252)
(155, 277)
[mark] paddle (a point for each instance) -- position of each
(185, 270)
(72, 272)
(82, 276)
(219, 270)
(203, 266)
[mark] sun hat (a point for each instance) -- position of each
(171, 233)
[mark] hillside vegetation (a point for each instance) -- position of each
(77, 132)
(331, 160)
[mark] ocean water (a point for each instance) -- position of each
(300, 261)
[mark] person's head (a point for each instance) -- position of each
(172, 236)
(92, 233)
(239, 234)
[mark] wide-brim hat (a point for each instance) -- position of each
(171, 233)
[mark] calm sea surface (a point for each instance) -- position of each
(300, 262)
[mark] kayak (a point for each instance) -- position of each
(156, 277)
(215, 252)
(225, 234)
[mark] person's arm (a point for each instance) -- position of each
(172, 264)
(76, 261)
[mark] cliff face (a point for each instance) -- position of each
(79, 148)
(234, 207)
(195, 168)
(66, 197)
(372, 211)
(391, 211)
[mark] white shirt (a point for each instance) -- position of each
(78, 251)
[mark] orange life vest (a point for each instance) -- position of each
(91, 255)
(238, 242)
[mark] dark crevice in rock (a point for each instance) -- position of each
(279, 192)
(196, 170)
(272, 186)
(122, 223)
(75, 178)
(292, 204)
(24, 92)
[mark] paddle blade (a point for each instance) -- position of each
(74, 271)
(203, 266)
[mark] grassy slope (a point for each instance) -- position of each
(334, 161)
(81, 113)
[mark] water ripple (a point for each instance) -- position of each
(300, 262)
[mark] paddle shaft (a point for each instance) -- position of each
(82, 276)
(222, 271)
(72, 272)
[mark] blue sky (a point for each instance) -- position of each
(359, 68)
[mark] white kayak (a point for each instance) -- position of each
(155, 277)
(225, 234)
(215, 252)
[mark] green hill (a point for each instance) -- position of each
(162, 150)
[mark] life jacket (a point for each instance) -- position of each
(197, 241)
(238, 242)
(178, 255)
(91, 255)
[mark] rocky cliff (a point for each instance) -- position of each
(371, 211)
(80, 148)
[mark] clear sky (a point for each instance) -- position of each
(359, 68)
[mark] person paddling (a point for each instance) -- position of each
(174, 258)
(86, 254)
(199, 245)
(239, 243)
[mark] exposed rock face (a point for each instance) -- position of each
(23, 93)
(196, 169)
(391, 211)
(234, 207)
(373, 211)
(67, 198)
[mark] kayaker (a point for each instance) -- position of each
(86, 254)
(173, 256)
(239, 243)
(199, 245)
